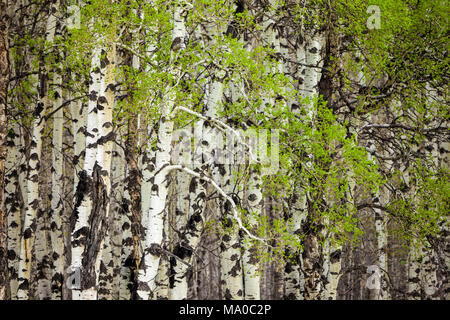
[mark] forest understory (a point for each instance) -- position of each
(224, 150)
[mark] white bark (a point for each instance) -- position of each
(162, 291)
(104, 160)
(314, 43)
(414, 267)
(13, 207)
(127, 254)
(230, 248)
(117, 190)
(310, 53)
(294, 279)
(78, 112)
(85, 206)
(230, 253)
(250, 258)
(154, 232)
(33, 199)
(155, 223)
(382, 199)
(189, 241)
(92, 218)
(178, 286)
(57, 204)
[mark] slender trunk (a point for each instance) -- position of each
(178, 279)
(83, 201)
(13, 208)
(381, 231)
(232, 284)
(4, 81)
(104, 159)
(57, 204)
(314, 47)
(158, 198)
(294, 281)
(78, 112)
(414, 266)
(293, 276)
(117, 190)
(250, 258)
(189, 241)
(128, 254)
(91, 209)
(162, 291)
(230, 247)
(154, 233)
(131, 212)
(33, 198)
(14, 194)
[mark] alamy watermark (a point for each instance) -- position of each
(374, 20)
(373, 282)
(73, 17)
(74, 279)
(198, 144)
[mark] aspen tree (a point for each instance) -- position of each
(57, 204)
(155, 223)
(4, 81)
(83, 206)
(13, 202)
(33, 200)
(94, 187)
(314, 43)
(13, 207)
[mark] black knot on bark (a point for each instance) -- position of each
(335, 256)
(155, 249)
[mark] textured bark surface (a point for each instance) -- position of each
(230, 253)
(57, 204)
(96, 203)
(4, 80)
(188, 243)
(91, 217)
(13, 208)
(83, 195)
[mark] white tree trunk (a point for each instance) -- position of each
(312, 56)
(83, 205)
(189, 241)
(33, 199)
(294, 279)
(127, 254)
(94, 187)
(104, 160)
(13, 207)
(154, 232)
(250, 257)
(158, 198)
(57, 204)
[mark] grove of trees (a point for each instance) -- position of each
(224, 149)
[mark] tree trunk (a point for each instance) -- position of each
(91, 211)
(189, 241)
(13, 207)
(33, 198)
(4, 81)
(57, 204)
(155, 224)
